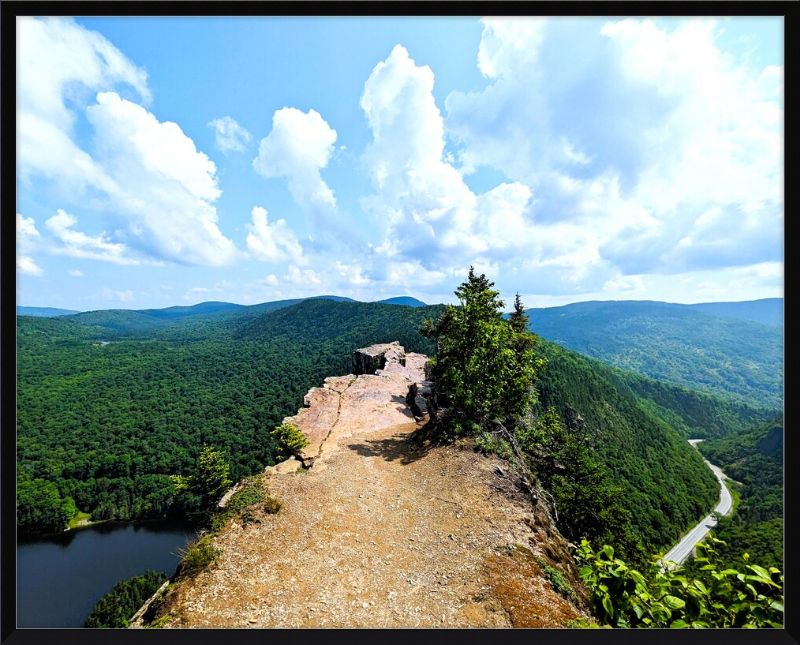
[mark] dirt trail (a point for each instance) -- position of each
(387, 534)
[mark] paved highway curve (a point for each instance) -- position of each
(684, 548)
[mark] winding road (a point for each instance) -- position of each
(681, 551)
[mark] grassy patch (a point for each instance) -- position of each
(81, 519)
(158, 623)
(196, 557)
(557, 580)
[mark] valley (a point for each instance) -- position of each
(106, 425)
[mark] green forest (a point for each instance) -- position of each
(103, 427)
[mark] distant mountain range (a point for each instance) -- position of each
(732, 349)
(715, 347)
(211, 307)
(44, 312)
(768, 311)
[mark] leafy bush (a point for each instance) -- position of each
(487, 443)
(116, 607)
(250, 493)
(196, 557)
(290, 440)
(245, 501)
(272, 505)
(623, 597)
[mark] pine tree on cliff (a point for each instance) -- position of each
(485, 368)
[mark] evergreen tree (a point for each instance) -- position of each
(484, 369)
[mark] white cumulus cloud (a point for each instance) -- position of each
(272, 242)
(111, 294)
(27, 266)
(298, 147)
(647, 149)
(146, 175)
(434, 221)
(306, 277)
(164, 187)
(59, 64)
(28, 241)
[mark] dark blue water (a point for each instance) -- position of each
(60, 578)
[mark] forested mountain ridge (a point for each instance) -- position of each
(768, 311)
(737, 359)
(107, 424)
(133, 321)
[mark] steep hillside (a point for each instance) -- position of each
(663, 480)
(693, 414)
(754, 459)
(737, 359)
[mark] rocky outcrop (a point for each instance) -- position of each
(387, 530)
(368, 360)
(375, 396)
(291, 465)
(418, 398)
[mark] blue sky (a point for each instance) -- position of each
(171, 161)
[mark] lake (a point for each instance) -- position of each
(61, 577)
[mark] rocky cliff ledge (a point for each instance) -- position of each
(373, 397)
(384, 530)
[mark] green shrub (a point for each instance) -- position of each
(487, 443)
(272, 505)
(196, 557)
(245, 501)
(290, 440)
(557, 580)
(252, 492)
(716, 597)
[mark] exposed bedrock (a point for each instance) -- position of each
(377, 395)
